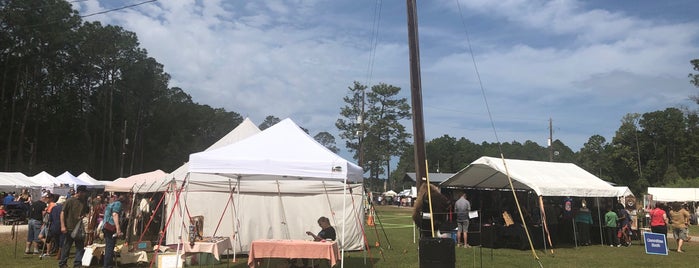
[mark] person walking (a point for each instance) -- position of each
(73, 211)
(463, 207)
(680, 224)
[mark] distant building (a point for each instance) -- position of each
(435, 178)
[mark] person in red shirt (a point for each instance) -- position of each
(658, 219)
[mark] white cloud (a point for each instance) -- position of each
(584, 67)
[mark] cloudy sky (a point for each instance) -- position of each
(584, 64)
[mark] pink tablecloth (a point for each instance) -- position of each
(215, 246)
(290, 249)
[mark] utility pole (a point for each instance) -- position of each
(123, 152)
(550, 140)
(416, 94)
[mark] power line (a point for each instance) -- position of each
(118, 8)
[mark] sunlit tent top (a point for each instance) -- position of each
(674, 194)
(544, 178)
(151, 181)
(623, 191)
(209, 182)
(283, 151)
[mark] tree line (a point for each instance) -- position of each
(85, 97)
(82, 96)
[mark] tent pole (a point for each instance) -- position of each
(233, 225)
(182, 216)
(575, 235)
(601, 238)
(344, 216)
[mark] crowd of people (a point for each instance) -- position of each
(52, 221)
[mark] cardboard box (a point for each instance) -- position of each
(169, 260)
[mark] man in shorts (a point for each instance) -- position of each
(462, 219)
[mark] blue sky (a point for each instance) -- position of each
(584, 64)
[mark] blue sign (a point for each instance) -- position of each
(655, 243)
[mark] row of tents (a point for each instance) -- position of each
(16, 181)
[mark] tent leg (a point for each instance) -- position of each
(601, 238)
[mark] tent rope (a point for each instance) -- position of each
(356, 213)
(167, 223)
(283, 214)
(327, 198)
(519, 209)
(152, 216)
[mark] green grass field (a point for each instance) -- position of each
(399, 250)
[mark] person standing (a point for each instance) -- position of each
(583, 219)
(463, 207)
(610, 219)
(680, 224)
(36, 216)
(73, 211)
(111, 229)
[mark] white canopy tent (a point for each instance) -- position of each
(623, 191)
(674, 194)
(16, 181)
(544, 178)
(292, 178)
(89, 181)
(45, 180)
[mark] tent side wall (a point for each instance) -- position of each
(265, 216)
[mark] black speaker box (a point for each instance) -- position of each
(437, 252)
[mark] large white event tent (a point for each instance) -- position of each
(291, 178)
(200, 195)
(674, 194)
(544, 178)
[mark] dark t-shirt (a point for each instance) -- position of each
(36, 210)
(328, 233)
(72, 210)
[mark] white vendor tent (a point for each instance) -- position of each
(286, 174)
(544, 178)
(15, 182)
(45, 179)
(674, 194)
(89, 181)
(623, 191)
(68, 179)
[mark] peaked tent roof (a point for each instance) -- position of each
(544, 178)
(45, 179)
(246, 129)
(68, 178)
(89, 180)
(281, 151)
(623, 191)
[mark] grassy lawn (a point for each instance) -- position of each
(400, 251)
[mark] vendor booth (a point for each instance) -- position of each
(543, 189)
